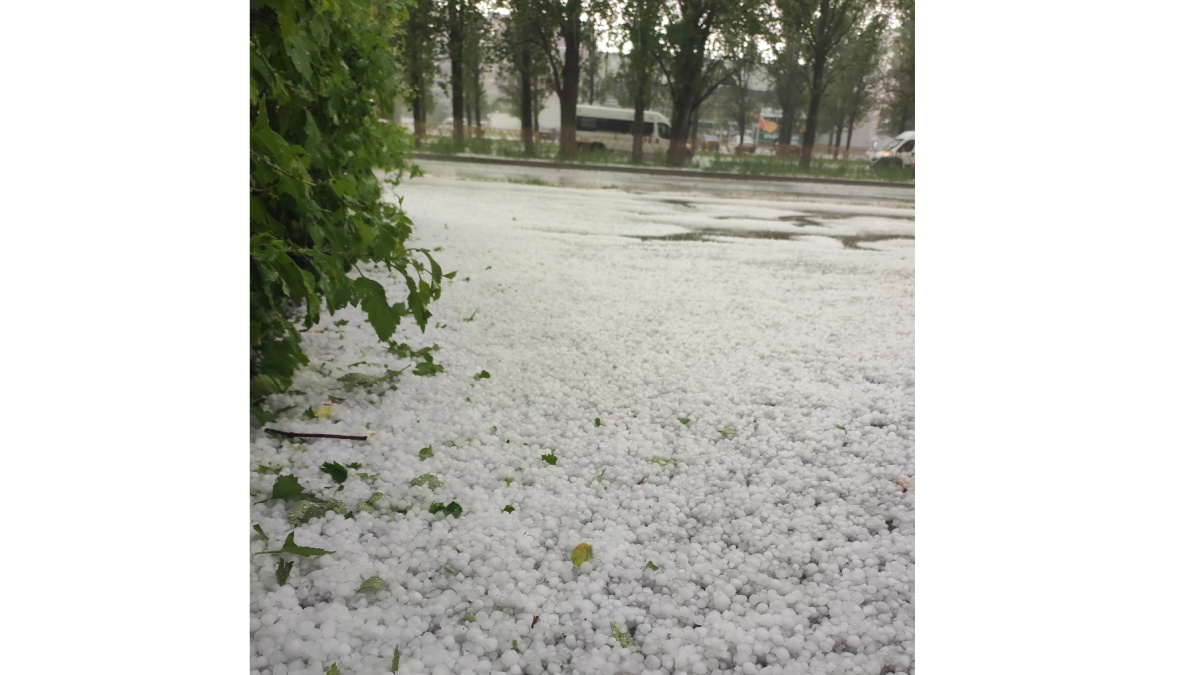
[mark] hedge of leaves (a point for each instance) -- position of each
(320, 73)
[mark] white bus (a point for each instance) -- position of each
(599, 128)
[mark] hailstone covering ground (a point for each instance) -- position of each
(715, 394)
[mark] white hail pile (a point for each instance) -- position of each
(779, 516)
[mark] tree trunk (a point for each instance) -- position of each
(695, 129)
(569, 96)
(639, 128)
(687, 71)
(416, 82)
(814, 105)
(478, 77)
(526, 102)
(838, 139)
(456, 71)
(849, 134)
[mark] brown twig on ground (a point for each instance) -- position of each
(291, 434)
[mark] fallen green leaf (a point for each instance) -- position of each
(483, 375)
(581, 554)
(289, 546)
(508, 509)
(425, 369)
(428, 480)
(426, 452)
(372, 584)
(352, 380)
(259, 530)
(651, 565)
(336, 471)
(620, 635)
(396, 660)
(684, 420)
(451, 509)
(283, 570)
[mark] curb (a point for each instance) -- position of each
(676, 173)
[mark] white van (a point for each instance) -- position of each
(902, 151)
(600, 128)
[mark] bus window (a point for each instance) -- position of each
(614, 126)
(664, 130)
(585, 123)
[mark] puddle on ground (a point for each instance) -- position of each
(850, 241)
(838, 215)
(706, 235)
(799, 221)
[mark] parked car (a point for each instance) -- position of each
(900, 152)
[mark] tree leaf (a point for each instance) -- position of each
(650, 564)
(550, 459)
(283, 570)
(261, 415)
(352, 380)
(508, 509)
(333, 670)
(597, 421)
(684, 420)
(451, 509)
(581, 554)
(372, 584)
(427, 368)
(286, 487)
(324, 412)
(373, 298)
(396, 660)
(426, 452)
(483, 375)
(620, 635)
(429, 480)
(336, 471)
(259, 530)
(289, 546)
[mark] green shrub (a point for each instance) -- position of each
(321, 74)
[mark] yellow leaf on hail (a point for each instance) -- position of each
(581, 554)
(323, 412)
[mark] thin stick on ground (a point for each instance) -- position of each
(292, 434)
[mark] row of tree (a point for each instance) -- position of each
(831, 59)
